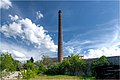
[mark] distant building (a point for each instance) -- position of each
(81, 57)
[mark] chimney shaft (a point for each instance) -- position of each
(60, 37)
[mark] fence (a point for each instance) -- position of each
(107, 72)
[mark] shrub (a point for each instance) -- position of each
(102, 61)
(29, 74)
(8, 63)
(53, 70)
(69, 66)
(41, 69)
(29, 65)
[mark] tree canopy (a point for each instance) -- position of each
(69, 66)
(8, 63)
(102, 61)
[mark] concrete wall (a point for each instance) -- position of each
(115, 60)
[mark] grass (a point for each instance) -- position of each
(62, 77)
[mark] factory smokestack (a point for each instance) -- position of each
(60, 37)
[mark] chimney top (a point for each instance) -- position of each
(59, 11)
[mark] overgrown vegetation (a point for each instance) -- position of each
(8, 63)
(102, 61)
(72, 65)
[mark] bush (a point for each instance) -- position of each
(102, 61)
(69, 66)
(29, 74)
(73, 65)
(41, 69)
(53, 70)
(8, 63)
(29, 65)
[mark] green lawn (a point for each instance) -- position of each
(62, 77)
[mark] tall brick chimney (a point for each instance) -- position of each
(60, 37)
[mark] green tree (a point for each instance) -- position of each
(29, 65)
(32, 60)
(43, 64)
(8, 63)
(65, 66)
(76, 64)
(69, 66)
(16, 65)
(30, 70)
(53, 69)
(102, 61)
(41, 69)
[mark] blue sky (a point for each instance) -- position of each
(90, 28)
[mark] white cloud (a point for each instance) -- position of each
(107, 51)
(39, 15)
(75, 46)
(70, 49)
(16, 55)
(20, 53)
(104, 40)
(14, 18)
(30, 33)
(5, 4)
(26, 29)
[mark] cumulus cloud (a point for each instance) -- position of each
(29, 33)
(72, 50)
(27, 30)
(15, 54)
(107, 51)
(14, 18)
(39, 15)
(20, 53)
(5, 4)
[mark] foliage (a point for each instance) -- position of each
(41, 69)
(8, 63)
(46, 61)
(76, 64)
(29, 74)
(69, 66)
(64, 66)
(34, 68)
(53, 70)
(102, 61)
(29, 65)
(31, 59)
(16, 65)
(30, 69)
